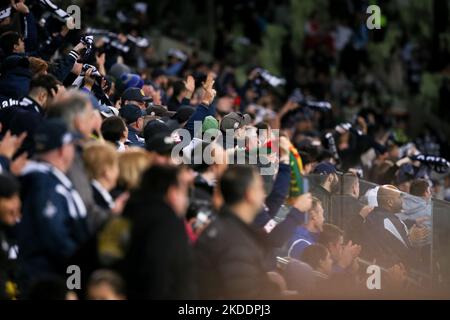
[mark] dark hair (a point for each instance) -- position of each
(157, 180)
(330, 234)
(262, 126)
(178, 87)
(419, 187)
(45, 81)
(110, 277)
(313, 254)
(113, 128)
(9, 186)
(306, 157)
(235, 182)
(8, 40)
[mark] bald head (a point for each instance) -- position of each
(389, 198)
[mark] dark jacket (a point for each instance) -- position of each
(63, 66)
(53, 226)
(384, 237)
(134, 138)
(15, 79)
(201, 112)
(159, 263)
(279, 232)
(174, 104)
(301, 239)
(230, 258)
(102, 197)
(4, 164)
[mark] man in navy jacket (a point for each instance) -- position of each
(54, 216)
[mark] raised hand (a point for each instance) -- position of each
(89, 80)
(348, 255)
(10, 144)
(209, 93)
(20, 7)
(189, 84)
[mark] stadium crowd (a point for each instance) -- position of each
(89, 177)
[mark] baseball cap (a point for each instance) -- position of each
(210, 127)
(210, 123)
(183, 114)
(161, 143)
(131, 80)
(53, 134)
(154, 127)
(131, 113)
(118, 69)
(135, 94)
(324, 168)
(234, 120)
(159, 111)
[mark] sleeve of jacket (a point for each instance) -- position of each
(286, 228)
(64, 66)
(31, 40)
(296, 249)
(201, 112)
(4, 164)
(280, 189)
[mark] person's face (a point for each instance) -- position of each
(112, 174)
(10, 210)
(220, 162)
(68, 154)
(326, 265)
(178, 195)
(5, 22)
(124, 135)
(84, 122)
(428, 194)
(308, 168)
(394, 153)
(336, 249)
(140, 124)
(103, 291)
(141, 104)
(317, 215)
(43, 98)
(20, 46)
(396, 202)
(256, 193)
(334, 182)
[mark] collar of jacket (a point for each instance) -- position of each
(104, 193)
(28, 102)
